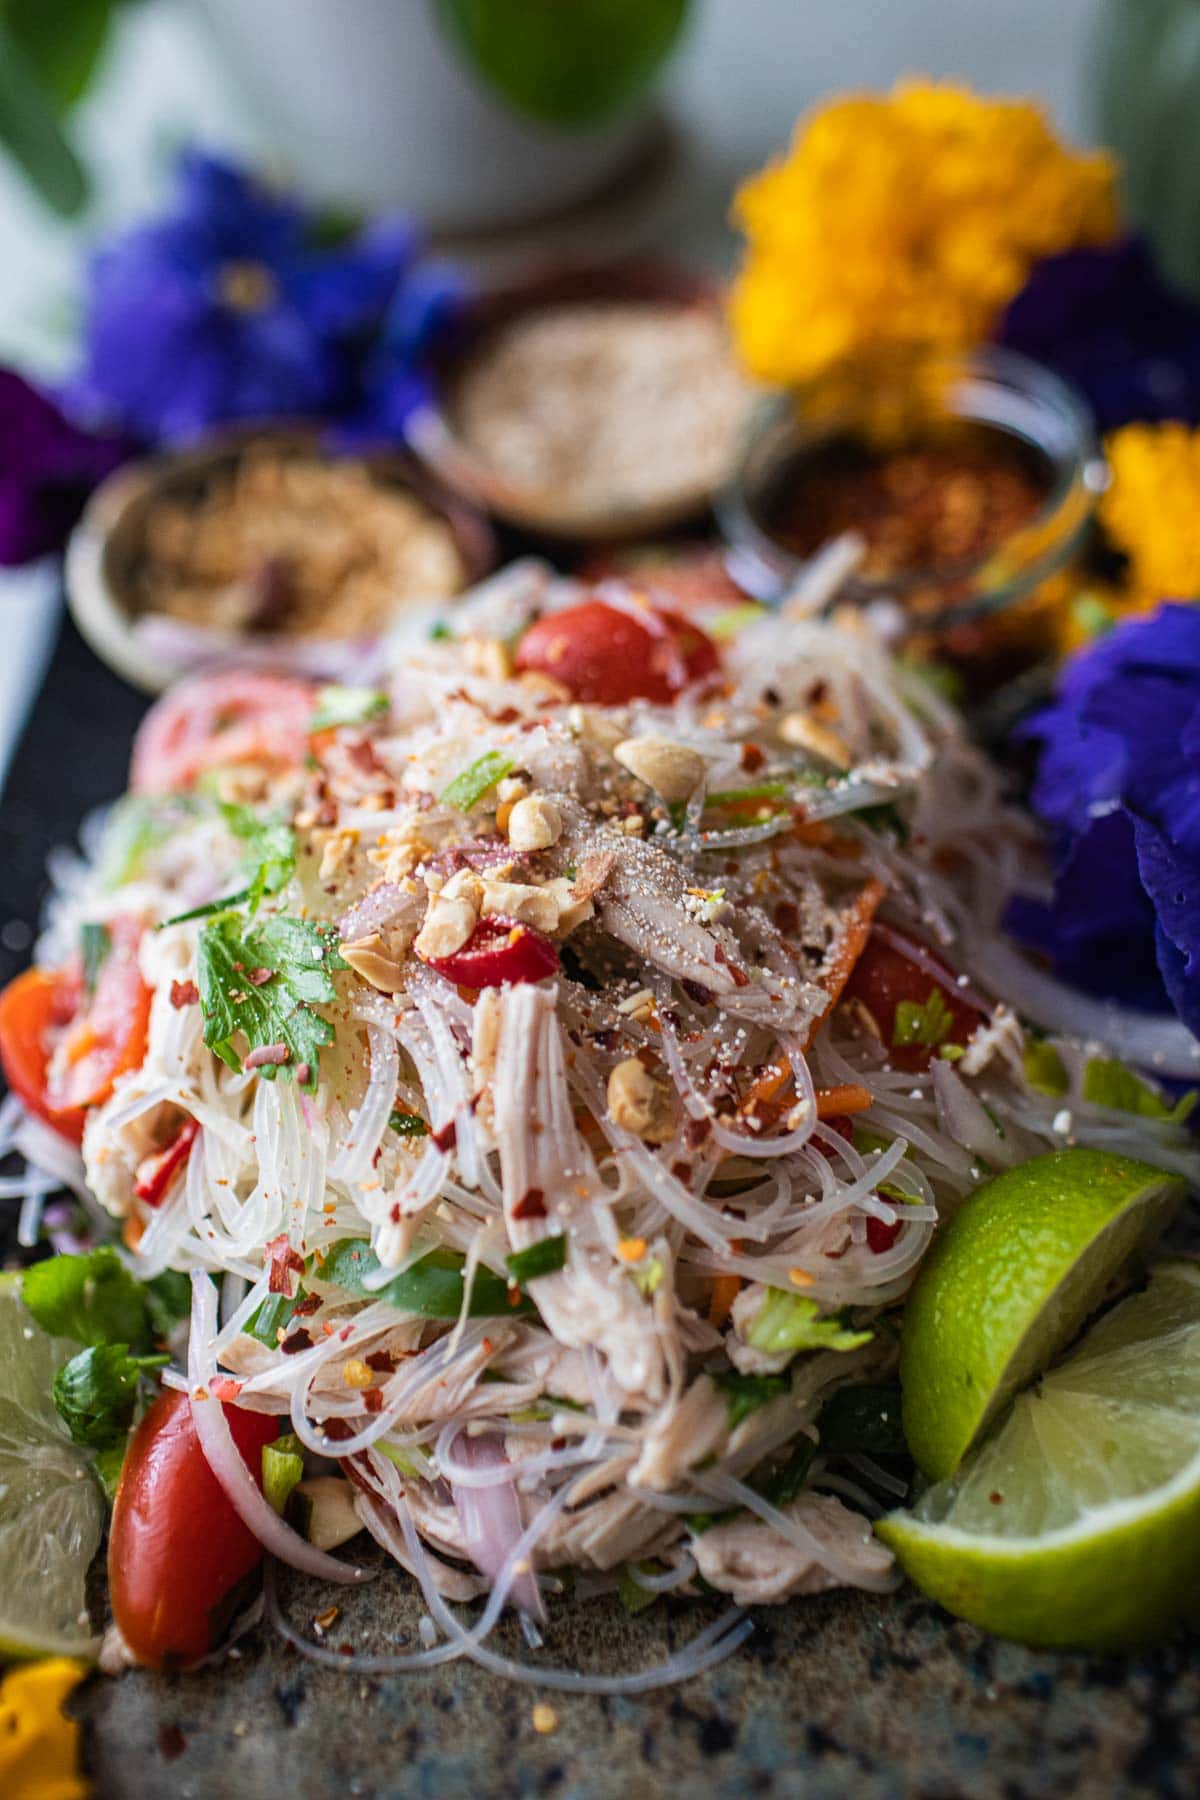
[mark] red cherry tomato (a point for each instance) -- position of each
(497, 951)
(215, 720)
(605, 655)
(884, 978)
(177, 1548)
(33, 1008)
(156, 1173)
(109, 1035)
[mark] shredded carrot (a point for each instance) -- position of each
(850, 948)
(835, 1102)
(767, 1086)
(131, 1231)
(725, 1290)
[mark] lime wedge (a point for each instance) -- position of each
(51, 1508)
(1076, 1524)
(1008, 1283)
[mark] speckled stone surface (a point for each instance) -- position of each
(846, 1697)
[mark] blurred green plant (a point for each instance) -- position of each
(49, 51)
(570, 63)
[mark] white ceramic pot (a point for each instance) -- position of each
(370, 107)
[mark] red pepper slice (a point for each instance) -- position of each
(499, 950)
(156, 1173)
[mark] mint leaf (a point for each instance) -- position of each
(1045, 1070)
(97, 1392)
(297, 955)
(793, 1322)
(472, 783)
(1109, 1083)
(338, 705)
(922, 1024)
(91, 1298)
(744, 1394)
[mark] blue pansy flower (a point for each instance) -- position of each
(1118, 783)
(1104, 319)
(231, 307)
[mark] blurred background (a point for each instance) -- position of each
(269, 80)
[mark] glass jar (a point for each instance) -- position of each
(934, 428)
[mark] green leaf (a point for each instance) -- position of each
(647, 1276)
(1045, 1069)
(109, 1462)
(95, 942)
(31, 133)
(728, 624)
(403, 1459)
(793, 1322)
(744, 1394)
(781, 1484)
(270, 849)
(632, 1595)
(543, 1258)
(472, 783)
(930, 1023)
(134, 827)
(1109, 1083)
(863, 1418)
(432, 1287)
(97, 1392)
(570, 65)
(440, 633)
(62, 41)
(406, 1124)
(91, 1298)
(337, 705)
(168, 1300)
(299, 954)
(763, 790)
(282, 1468)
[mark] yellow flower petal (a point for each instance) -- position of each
(39, 1745)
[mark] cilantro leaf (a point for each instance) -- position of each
(1109, 1083)
(744, 1394)
(270, 850)
(793, 1322)
(97, 1392)
(298, 954)
(929, 1024)
(338, 705)
(472, 783)
(91, 1298)
(1045, 1070)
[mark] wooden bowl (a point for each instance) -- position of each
(435, 436)
(109, 543)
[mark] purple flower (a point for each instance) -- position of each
(47, 467)
(1105, 320)
(1118, 782)
(231, 308)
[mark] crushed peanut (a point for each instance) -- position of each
(639, 1104)
(672, 770)
(534, 823)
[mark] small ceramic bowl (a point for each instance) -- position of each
(435, 432)
(151, 648)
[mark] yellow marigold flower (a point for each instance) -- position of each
(1151, 509)
(907, 220)
(39, 1745)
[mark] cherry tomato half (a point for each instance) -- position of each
(499, 950)
(884, 978)
(177, 1548)
(33, 1008)
(215, 720)
(607, 656)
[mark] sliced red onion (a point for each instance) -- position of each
(225, 1459)
(491, 1518)
(480, 853)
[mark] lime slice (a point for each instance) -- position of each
(1008, 1283)
(51, 1509)
(1077, 1523)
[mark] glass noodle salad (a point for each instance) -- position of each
(550, 1067)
